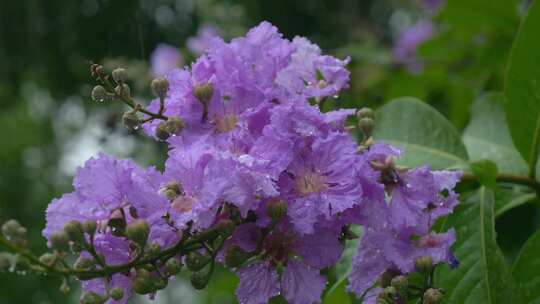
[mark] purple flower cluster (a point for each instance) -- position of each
(407, 43)
(253, 143)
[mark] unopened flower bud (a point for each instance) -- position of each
(203, 92)
(366, 125)
(199, 280)
(91, 298)
(75, 232)
(225, 227)
(390, 292)
(174, 125)
(161, 131)
(60, 241)
(99, 93)
(119, 75)
(173, 266)
(400, 282)
(171, 190)
(276, 209)
(235, 256)
(123, 90)
(83, 263)
(153, 249)
(138, 232)
(365, 113)
(160, 86)
(48, 259)
(432, 296)
(5, 261)
(90, 227)
(143, 282)
(423, 264)
(64, 288)
(117, 293)
(131, 120)
(196, 261)
(11, 229)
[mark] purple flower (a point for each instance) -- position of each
(301, 256)
(199, 44)
(164, 59)
(407, 43)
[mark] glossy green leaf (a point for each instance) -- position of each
(487, 135)
(526, 269)
(522, 92)
(482, 275)
(486, 172)
(424, 134)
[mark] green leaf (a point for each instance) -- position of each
(482, 276)
(486, 172)
(527, 267)
(522, 90)
(424, 134)
(508, 197)
(487, 135)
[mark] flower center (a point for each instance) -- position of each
(226, 123)
(183, 203)
(310, 183)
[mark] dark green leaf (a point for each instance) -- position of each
(523, 88)
(487, 135)
(482, 276)
(424, 134)
(526, 269)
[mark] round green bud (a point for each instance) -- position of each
(117, 293)
(160, 86)
(123, 90)
(203, 92)
(174, 125)
(119, 75)
(365, 113)
(131, 120)
(143, 282)
(423, 264)
(48, 259)
(400, 282)
(75, 232)
(83, 264)
(432, 296)
(199, 280)
(10, 229)
(235, 256)
(161, 131)
(225, 227)
(196, 261)
(99, 93)
(173, 266)
(138, 232)
(366, 125)
(60, 241)
(90, 227)
(153, 249)
(5, 261)
(91, 298)
(276, 209)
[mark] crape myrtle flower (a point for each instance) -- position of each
(398, 227)
(408, 42)
(164, 58)
(300, 256)
(199, 43)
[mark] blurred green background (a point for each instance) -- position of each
(50, 125)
